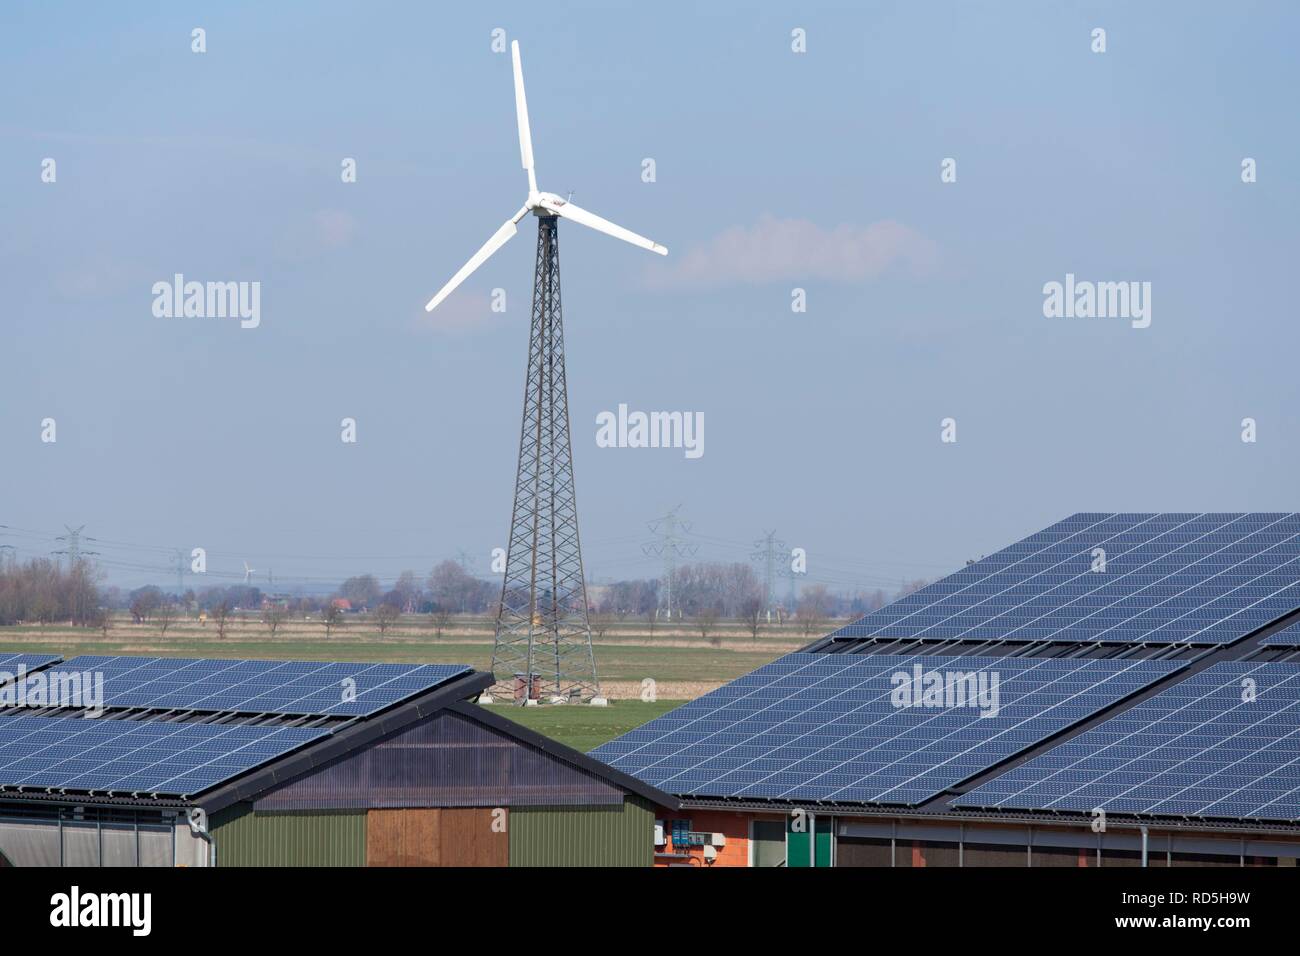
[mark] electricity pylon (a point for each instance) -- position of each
(769, 552)
(670, 545)
(73, 546)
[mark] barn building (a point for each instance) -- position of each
(268, 763)
(1115, 690)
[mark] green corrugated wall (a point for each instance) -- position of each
(615, 835)
(316, 838)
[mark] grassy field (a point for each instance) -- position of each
(682, 663)
(585, 728)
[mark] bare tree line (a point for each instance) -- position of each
(704, 595)
(42, 591)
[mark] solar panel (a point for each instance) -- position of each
(1288, 636)
(1221, 743)
(147, 757)
(251, 686)
(837, 728)
(1158, 578)
(11, 662)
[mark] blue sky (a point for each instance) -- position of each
(224, 166)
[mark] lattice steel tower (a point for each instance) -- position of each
(670, 545)
(542, 627)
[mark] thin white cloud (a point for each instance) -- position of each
(791, 249)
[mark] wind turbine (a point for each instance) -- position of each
(543, 635)
(542, 205)
(248, 573)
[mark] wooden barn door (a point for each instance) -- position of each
(403, 838)
(447, 837)
(469, 838)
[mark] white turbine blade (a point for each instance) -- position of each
(579, 215)
(499, 239)
(521, 115)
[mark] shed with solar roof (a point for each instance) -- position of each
(1118, 689)
(196, 762)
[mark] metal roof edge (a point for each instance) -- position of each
(1021, 817)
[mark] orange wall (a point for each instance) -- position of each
(734, 825)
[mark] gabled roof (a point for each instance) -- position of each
(161, 750)
(1128, 578)
(1184, 592)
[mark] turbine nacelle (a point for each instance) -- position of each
(534, 203)
(538, 203)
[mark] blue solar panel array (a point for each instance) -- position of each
(1288, 636)
(10, 663)
(1167, 578)
(1222, 743)
(261, 687)
(172, 759)
(828, 727)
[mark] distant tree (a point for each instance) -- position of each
(454, 588)
(273, 615)
(724, 587)
(41, 608)
(331, 616)
(751, 612)
(386, 616)
(706, 619)
(44, 591)
(441, 620)
(363, 591)
(164, 616)
(76, 592)
(243, 596)
(407, 589)
(221, 617)
(814, 608)
(144, 601)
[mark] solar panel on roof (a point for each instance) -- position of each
(251, 686)
(1167, 578)
(11, 662)
(171, 759)
(1222, 743)
(822, 727)
(1288, 636)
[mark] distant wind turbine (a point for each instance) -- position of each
(248, 573)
